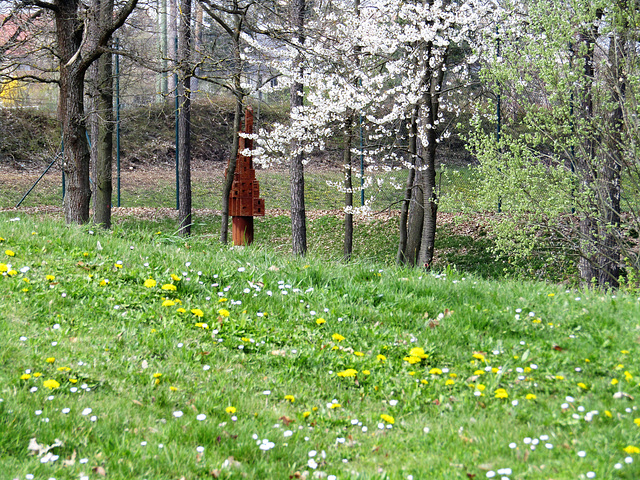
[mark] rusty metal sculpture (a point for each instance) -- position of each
(244, 201)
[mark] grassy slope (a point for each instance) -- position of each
(115, 337)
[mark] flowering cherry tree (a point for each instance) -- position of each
(395, 64)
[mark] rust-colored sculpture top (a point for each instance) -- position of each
(244, 201)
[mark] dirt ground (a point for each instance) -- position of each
(145, 177)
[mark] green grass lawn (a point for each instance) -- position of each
(135, 354)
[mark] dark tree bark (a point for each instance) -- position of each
(298, 212)
(348, 186)
(609, 261)
(69, 35)
(430, 199)
(184, 116)
(102, 122)
(402, 256)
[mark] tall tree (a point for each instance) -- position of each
(185, 72)
(102, 120)
(563, 157)
(75, 52)
(296, 168)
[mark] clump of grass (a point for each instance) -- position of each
(139, 354)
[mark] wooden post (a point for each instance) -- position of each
(244, 199)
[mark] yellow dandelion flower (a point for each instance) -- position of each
(608, 414)
(628, 377)
(453, 375)
(559, 377)
(337, 337)
(10, 253)
(619, 366)
(290, 398)
(582, 385)
(50, 360)
(197, 312)
(50, 278)
(335, 405)
(624, 352)
(530, 396)
(50, 384)
(418, 352)
(173, 389)
(335, 347)
(25, 376)
(358, 354)
(412, 360)
(306, 414)
(527, 369)
(73, 380)
(117, 265)
(631, 450)
(479, 372)
(320, 321)
(3, 267)
(175, 277)
(349, 372)
(157, 375)
(150, 283)
(104, 282)
(479, 356)
(223, 312)
(170, 287)
(37, 374)
(551, 295)
(230, 410)
(202, 325)
(411, 373)
(181, 310)
(63, 369)
(381, 358)
(501, 393)
(435, 371)
(424, 382)
(388, 418)
(614, 381)
(480, 387)
(637, 421)
(366, 372)
(222, 300)
(449, 382)
(168, 303)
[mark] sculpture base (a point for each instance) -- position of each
(242, 230)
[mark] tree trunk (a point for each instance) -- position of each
(429, 193)
(184, 117)
(430, 204)
(402, 256)
(348, 186)
(172, 34)
(588, 263)
(609, 262)
(164, 50)
(298, 212)
(71, 114)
